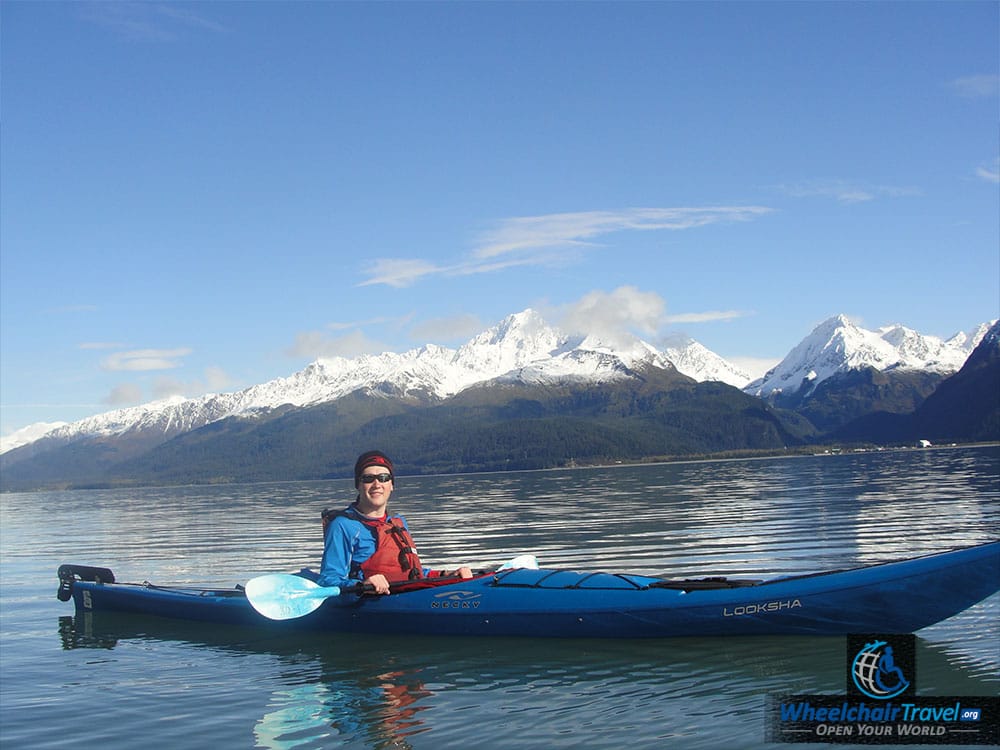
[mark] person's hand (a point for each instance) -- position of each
(379, 582)
(463, 572)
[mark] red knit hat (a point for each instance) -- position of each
(371, 458)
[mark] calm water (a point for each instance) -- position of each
(126, 682)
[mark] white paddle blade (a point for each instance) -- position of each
(284, 597)
(521, 561)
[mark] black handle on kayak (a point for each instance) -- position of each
(399, 587)
(70, 573)
(706, 584)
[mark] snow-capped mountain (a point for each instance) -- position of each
(523, 348)
(837, 345)
(28, 434)
(694, 360)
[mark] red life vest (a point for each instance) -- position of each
(395, 554)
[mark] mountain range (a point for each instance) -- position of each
(519, 395)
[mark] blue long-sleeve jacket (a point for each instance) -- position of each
(348, 543)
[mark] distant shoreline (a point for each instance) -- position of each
(816, 451)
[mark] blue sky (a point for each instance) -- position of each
(198, 197)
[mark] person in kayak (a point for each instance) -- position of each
(363, 542)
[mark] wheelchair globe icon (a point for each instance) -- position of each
(875, 672)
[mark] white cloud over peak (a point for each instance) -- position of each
(612, 315)
(124, 394)
(319, 344)
(622, 314)
(215, 380)
(458, 327)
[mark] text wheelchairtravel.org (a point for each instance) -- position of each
(937, 720)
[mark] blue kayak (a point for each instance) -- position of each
(894, 597)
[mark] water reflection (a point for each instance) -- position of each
(386, 692)
(381, 708)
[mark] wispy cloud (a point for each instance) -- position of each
(400, 272)
(552, 239)
(71, 309)
(990, 173)
(319, 344)
(709, 316)
(145, 359)
(99, 345)
(846, 192)
(214, 380)
(447, 329)
(348, 338)
(977, 87)
(381, 320)
(217, 379)
(187, 17)
(148, 21)
(530, 233)
(124, 394)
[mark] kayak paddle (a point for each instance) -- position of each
(283, 596)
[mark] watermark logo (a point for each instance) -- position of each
(880, 704)
(876, 673)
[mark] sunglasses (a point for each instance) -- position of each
(369, 478)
